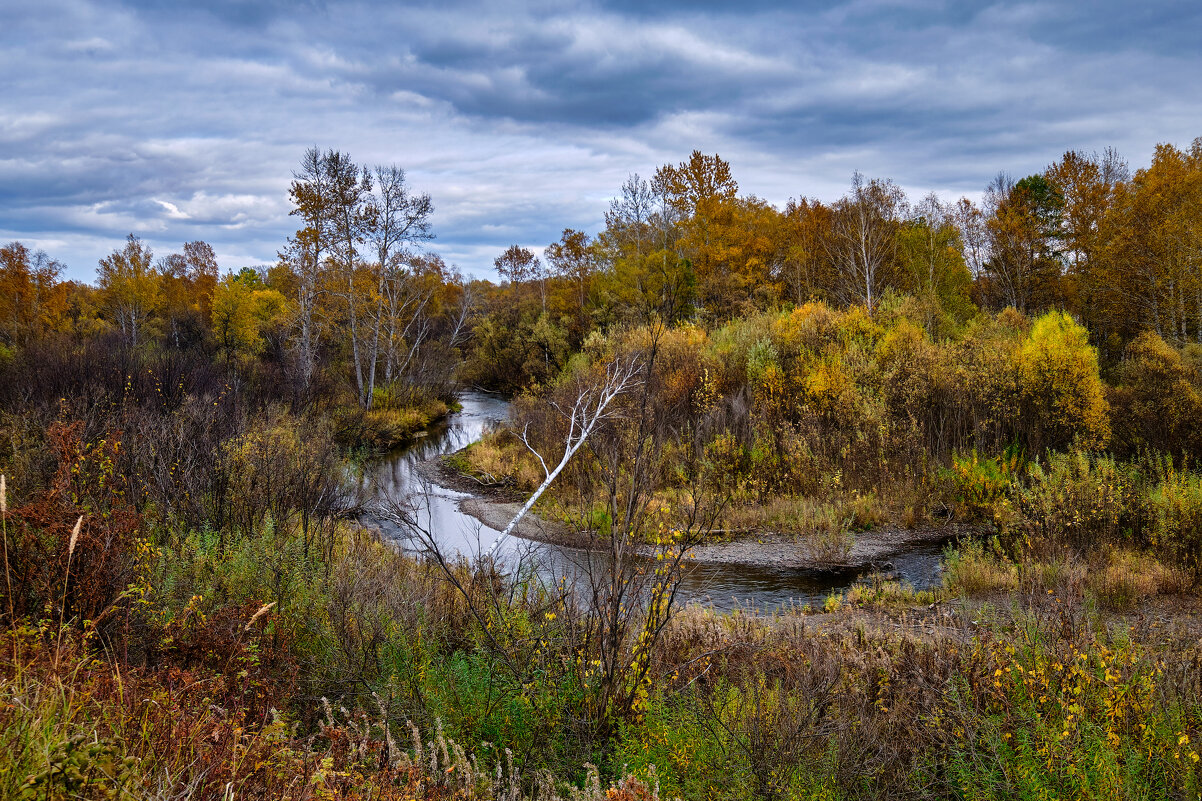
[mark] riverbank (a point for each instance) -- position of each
(495, 505)
(388, 427)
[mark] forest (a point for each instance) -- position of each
(198, 605)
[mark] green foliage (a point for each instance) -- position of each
(982, 482)
(513, 348)
(1175, 509)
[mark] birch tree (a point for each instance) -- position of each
(396, 219)
(863, 241)
(130, 287)
(306, 252)
(590, 407)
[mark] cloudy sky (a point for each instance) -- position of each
(183, 121)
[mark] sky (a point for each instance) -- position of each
(183, 121)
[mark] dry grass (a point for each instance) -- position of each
(823, 528)
(498, 458)
(1128, 577)
(971, 569)
(877, 593)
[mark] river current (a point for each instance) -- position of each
(395, 478)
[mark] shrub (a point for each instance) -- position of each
(1061, 389)
(982, 482)
(1175, 509)
(1156, 404)
(1080, 500)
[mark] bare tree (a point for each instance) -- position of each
(397, 218)
(863, 244)
(633, 575)
(629, 215)
(974, 235)
(623, 599)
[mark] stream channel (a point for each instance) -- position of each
(396, 477)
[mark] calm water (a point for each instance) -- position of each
(394, 479)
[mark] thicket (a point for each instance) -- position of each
(869, 413)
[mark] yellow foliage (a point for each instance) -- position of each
(827, 385)
(1058, 376)
(241, 312)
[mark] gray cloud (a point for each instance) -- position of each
(182, 122)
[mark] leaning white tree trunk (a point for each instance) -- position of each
(590, 408)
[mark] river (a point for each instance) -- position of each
(395, 477)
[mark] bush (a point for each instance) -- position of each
(1157, 403)
(981, 482)
(1079, 500)
(1175, 509)
(1062, 392)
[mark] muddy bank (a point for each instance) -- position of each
(496, 506)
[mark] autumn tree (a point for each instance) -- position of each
(1153, 246)
(1024, 224)
(306, 251)
(32, 300)
(242, 307)
(574, 259)
(701, 193)
(803, 266)
(130, 288)
(347, 187)
(1062, 396)
(188, 282)
(647, 270)
(1087, 184)
(932, 253)
(397, 219)
(863, 241)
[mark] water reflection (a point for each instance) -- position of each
(396, 479)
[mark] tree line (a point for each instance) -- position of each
(1121, 252)
(357, 297)
(352, 294)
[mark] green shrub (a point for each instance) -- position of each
(1175, 510)
(1080, 500)
(981, 482)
